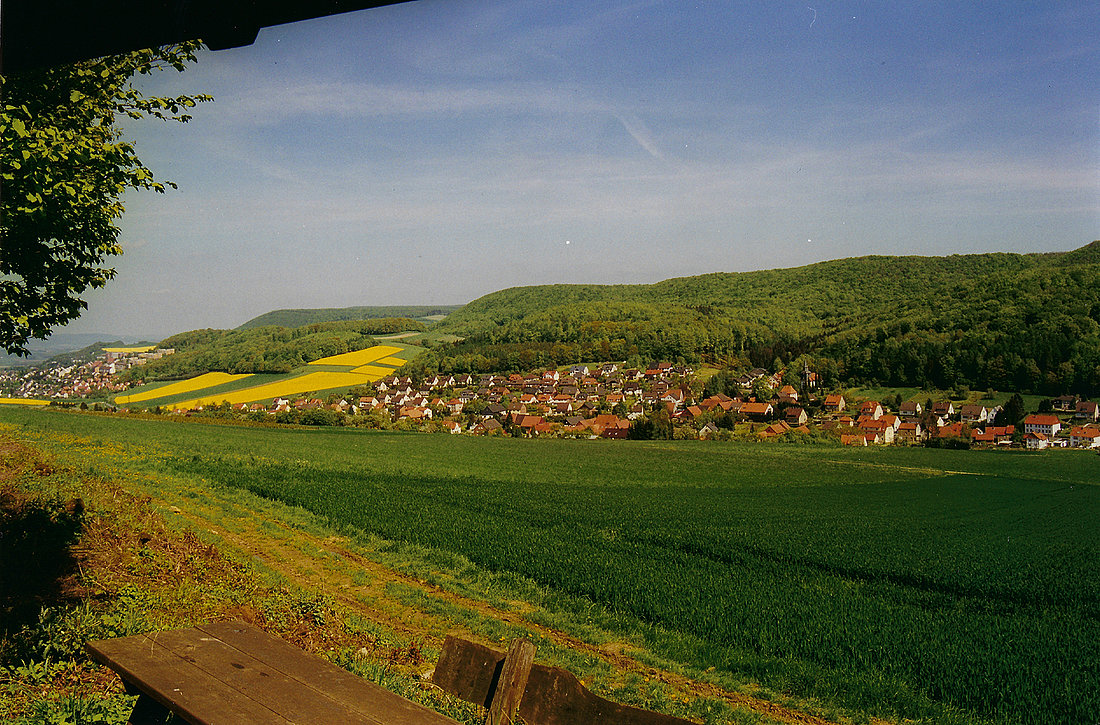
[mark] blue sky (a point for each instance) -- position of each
(435, 151)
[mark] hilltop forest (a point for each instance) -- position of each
(1007, 321)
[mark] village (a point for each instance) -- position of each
(89, 379)
(662, 400)
(606, 401)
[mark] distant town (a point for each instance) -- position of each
(95, 378)
(662, 400)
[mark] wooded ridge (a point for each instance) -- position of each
(1007, 321)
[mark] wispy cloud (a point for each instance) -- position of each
(640, 133)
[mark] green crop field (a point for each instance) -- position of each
(953, 586)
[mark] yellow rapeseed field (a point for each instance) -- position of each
(125, 350)
(208, 380)
(309, 383)
(22, 401)
(375, 372)
(359, 357)
(394, 361)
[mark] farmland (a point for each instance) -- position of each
(330, 373)
(905, 583)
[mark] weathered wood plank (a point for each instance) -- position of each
(255, 680)
(177, 684)
(355, 693)
(553, 696)
(512, 683)
(468, 670)
(235, 673)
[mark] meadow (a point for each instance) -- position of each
(953, 586)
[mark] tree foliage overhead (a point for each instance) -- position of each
(1007, 321)
(65, 166)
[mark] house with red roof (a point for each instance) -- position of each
(1048, 425)
(871, 408)
(1085, 437)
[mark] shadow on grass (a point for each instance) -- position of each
(37, 567)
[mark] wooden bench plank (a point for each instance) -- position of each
(553, 696)
(258, 681)
(176, 684)
(235, 673)
(364, 697)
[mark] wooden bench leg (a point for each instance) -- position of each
(147, 711)
(512, 682)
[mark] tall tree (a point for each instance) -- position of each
(65, 166)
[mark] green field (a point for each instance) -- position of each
(953, 586)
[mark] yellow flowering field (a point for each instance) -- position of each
(25, 401)
(394, 361)
(359, 357)
(126, 350)
(208, 380)
(374, 371)
(311, 382)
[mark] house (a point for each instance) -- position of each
(452, 427)
(944, 409)
(882, 430)
(891, 420)
(853, 440)
(789, 392)
(757, 411)
(1064, 403)
(691, 412)
(708, 430)
(774, 430)
(994, 435)
(910, 409)
(675, 396)
(953, 430)
(1087, 410)
(491, 425)
(910, 432)
(1085, 437)
(973, 413)
(795, 416)
(1035, 441)
(1048, 425)
(414, 413)
(871, 408)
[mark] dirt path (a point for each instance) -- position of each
(360, 584)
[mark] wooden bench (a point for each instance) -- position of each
(231, 673)
(544, 695)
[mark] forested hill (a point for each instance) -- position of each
(298, 318)
(1008, 321)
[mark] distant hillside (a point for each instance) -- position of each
(297, 318)
(1008, 321)
(270, 349)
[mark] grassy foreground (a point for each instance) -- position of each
(936, 585)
